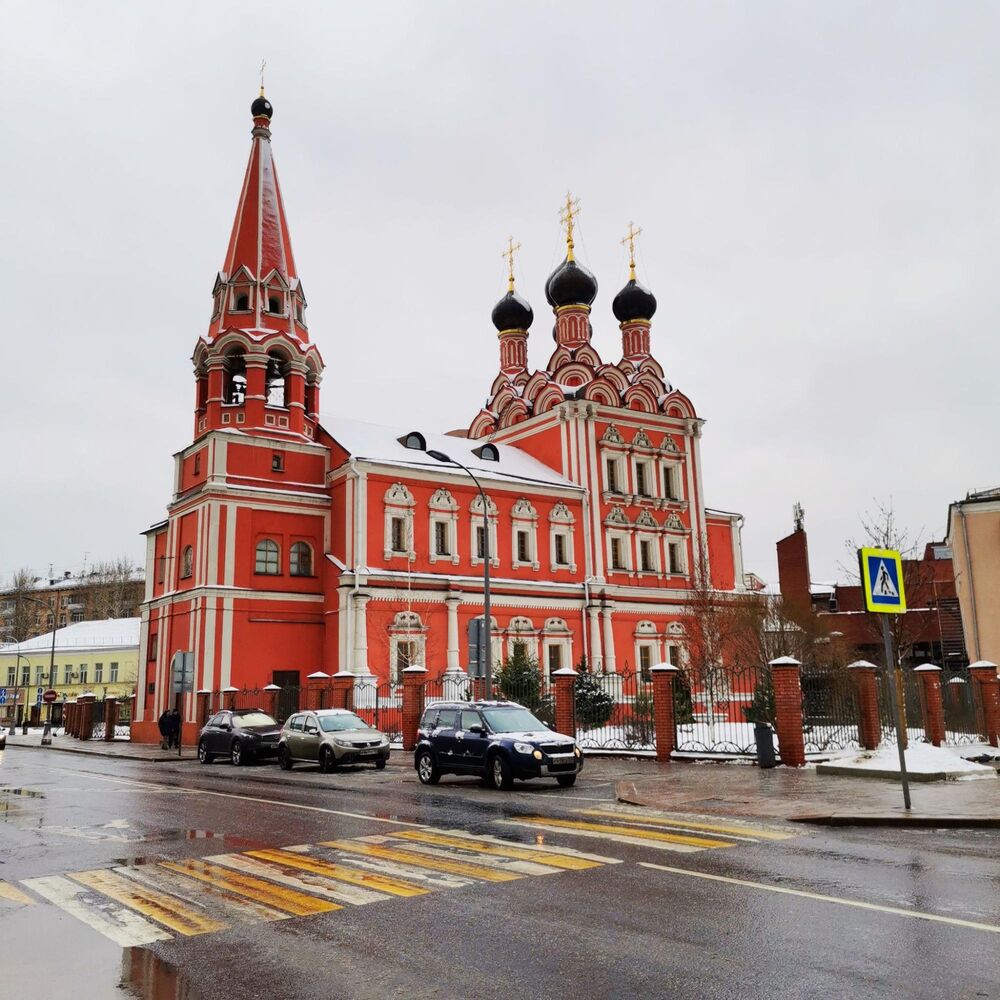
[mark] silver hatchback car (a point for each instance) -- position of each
(330, 737)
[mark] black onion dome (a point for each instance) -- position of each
(512, 312)
(570, 284)
(634, 301)
(261, 108)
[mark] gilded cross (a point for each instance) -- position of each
(512, 249)
(263, 64)
(630, 240)
(566, 215)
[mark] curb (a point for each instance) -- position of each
(899, 820)
(107, 755)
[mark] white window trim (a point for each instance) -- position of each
(563, 642)
(626, 540)
(682, 548)
(476, 519)
(652, 477)
(399, 502)
(618, 458)
(652, 642)
(524, 517)
(404, 630)
(444, 510)
(654, 548)
(671, 469)
(566, 531)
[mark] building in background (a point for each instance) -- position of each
(974, 538)
(96, 657)
(297, 543)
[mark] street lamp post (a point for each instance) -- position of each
(440, 456)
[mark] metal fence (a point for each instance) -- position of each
(715, 708)
(913, 706)
(830, 711)
(963, 716)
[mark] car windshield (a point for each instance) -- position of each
(253, 719)
(513, 720)
(338, 723)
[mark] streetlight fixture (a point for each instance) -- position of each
(440, 456)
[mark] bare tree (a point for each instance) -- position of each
(113, 589)
(20, 618)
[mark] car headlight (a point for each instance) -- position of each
(524, 748)
(578, 751)
(343, 743)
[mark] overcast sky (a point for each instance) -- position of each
(817, 186)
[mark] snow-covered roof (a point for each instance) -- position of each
(67, 581)
(109, 633)
(377, 443)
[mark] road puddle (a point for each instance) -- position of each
(146, 976)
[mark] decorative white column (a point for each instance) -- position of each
(609, 641)
(452, 603)
(596, 660)
(360, 665)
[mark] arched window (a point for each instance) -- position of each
(187, 562)
(268, 557)
(236, 377)
(301, 559)
(276, 379)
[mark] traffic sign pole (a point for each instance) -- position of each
(896, 676)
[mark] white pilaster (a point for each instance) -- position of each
(609, 641)
(360, 665)
(596, 659)
(452, 604)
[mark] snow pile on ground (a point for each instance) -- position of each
(921, 758)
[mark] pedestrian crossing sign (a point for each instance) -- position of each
(882, 580)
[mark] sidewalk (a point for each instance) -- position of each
(801, 795)
(118, 749)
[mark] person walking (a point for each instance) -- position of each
(164, 726)
(174, 729)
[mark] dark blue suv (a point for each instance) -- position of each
(498, 740)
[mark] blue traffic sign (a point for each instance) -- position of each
(882, 580)
(3, 696)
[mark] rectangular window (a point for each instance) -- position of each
(646, 556)
(611, 466)
(11, 676)
(83, 673)
(480, 542)
(441, 538)
(161, 569)
(39, 675)
(277, 462)
(113, 675)
(642, 479)
(523, 547)
(69, 673)
(25, 676)
(617, 560)
(561, 558)
(98, 673)
(406, 654)
(77, 616)
(398, 529)
(555, 658)
(197, 464)
(670, 483)
(154, 646)
(676, 558)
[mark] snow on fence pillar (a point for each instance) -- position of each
(272, 700)
(664, 724)
(986, 683)
(788, 710)
(869, 723)
(317, 681)
(110, 718)
(564, 681)
(414, 681)
(930, 678)
(343, 688)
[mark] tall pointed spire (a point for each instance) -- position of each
(258, 286)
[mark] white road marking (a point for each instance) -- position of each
(112, 919)
(393, 869)
(466, 857)
(617, 838)
(895, 910)
(569, 852)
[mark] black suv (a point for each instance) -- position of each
(241, 734)
(499, 740)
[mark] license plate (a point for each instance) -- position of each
(562, 758)
(366, 753)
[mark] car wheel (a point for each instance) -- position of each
(566, 780)
(380, 764)
(203, 755)
(327, 761)
(284, 759)
(498, 770)
(238, 754)
(427, 770)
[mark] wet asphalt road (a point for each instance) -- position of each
(617, 926)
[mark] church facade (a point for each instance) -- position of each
(297, 543)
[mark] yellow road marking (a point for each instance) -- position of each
(751, 832)
(296, 904)
(423, 861)
(11, 894)
(897, 911)
(627, 831)
(157, 906)
(520, 853)
(341, 873)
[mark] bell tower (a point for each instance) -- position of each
(255, 369)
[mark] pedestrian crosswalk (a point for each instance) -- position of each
(139, 904)
(159, 901)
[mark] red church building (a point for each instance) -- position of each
(297, 543)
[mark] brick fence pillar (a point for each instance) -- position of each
(930, 678)
(110, 718)
(85, 724)
(788, 710)
(67, 717)
(414, 679)
(271, 692)
(987, 686)
(869, 723)
(204, 697)
(316, 689)
(663, 710)
(343, 689)
(228, 697)
(564, 681)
